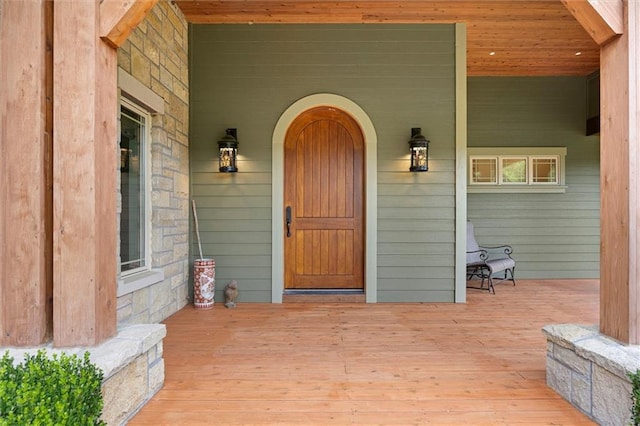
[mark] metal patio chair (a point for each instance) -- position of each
(484, 262)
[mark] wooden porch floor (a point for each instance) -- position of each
(477, 363)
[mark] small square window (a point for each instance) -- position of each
(484, 170)
(544, 170)
(514, 170)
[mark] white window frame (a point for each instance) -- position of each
(529, 154)
(545, 157)
(501, 159)
(137, 97)
(145, 169)
(471, 169)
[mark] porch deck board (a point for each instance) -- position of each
(349, 363)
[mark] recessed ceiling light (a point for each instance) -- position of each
(578, 53)
(492, 53)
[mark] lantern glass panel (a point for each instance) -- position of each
(227, 158)
(419, 158)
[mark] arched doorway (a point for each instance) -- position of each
(370, 189)
(324, 201)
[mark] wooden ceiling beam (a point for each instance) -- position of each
(602, 19)
(118, 18)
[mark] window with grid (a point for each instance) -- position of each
(516, 169)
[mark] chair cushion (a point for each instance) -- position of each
(498, 265)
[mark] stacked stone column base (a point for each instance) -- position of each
(590, 371)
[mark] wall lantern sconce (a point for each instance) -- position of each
(419, 149)
(228, 152)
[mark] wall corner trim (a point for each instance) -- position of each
(461, 164)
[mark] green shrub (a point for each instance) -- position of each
(61, 390)
(635, 397)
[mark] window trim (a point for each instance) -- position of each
(495, 169)
(530, 153)
(501, 167)
(138, 93)
(134, 282)
(146, 182)
(545, 157)
(139, 278)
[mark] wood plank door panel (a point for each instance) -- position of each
(324, 187)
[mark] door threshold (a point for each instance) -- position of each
(324, 291)
(323, 296)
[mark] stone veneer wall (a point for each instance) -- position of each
(156, 54)
(590, 371)
(133, 369)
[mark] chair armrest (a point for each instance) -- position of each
(507, 249)
(482, 254)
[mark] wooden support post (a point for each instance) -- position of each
(620, 181)
(25, 173)
(85, 161)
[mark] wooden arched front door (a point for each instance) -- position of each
(324, 201)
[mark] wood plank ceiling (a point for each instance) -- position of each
(505, 37)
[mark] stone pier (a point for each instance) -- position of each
(590, 371)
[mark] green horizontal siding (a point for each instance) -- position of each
(419, 249)
(401, 75)
(413, 260)
(414, 213)
(553, 235)
(249, 250)
(411, 225)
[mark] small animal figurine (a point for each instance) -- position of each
(230, 294)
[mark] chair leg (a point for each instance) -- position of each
(487, 275)
(484, 273)
(484, 276)
(513, 277)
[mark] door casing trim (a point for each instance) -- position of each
(371, 189)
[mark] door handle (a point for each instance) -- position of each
(288, 214)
